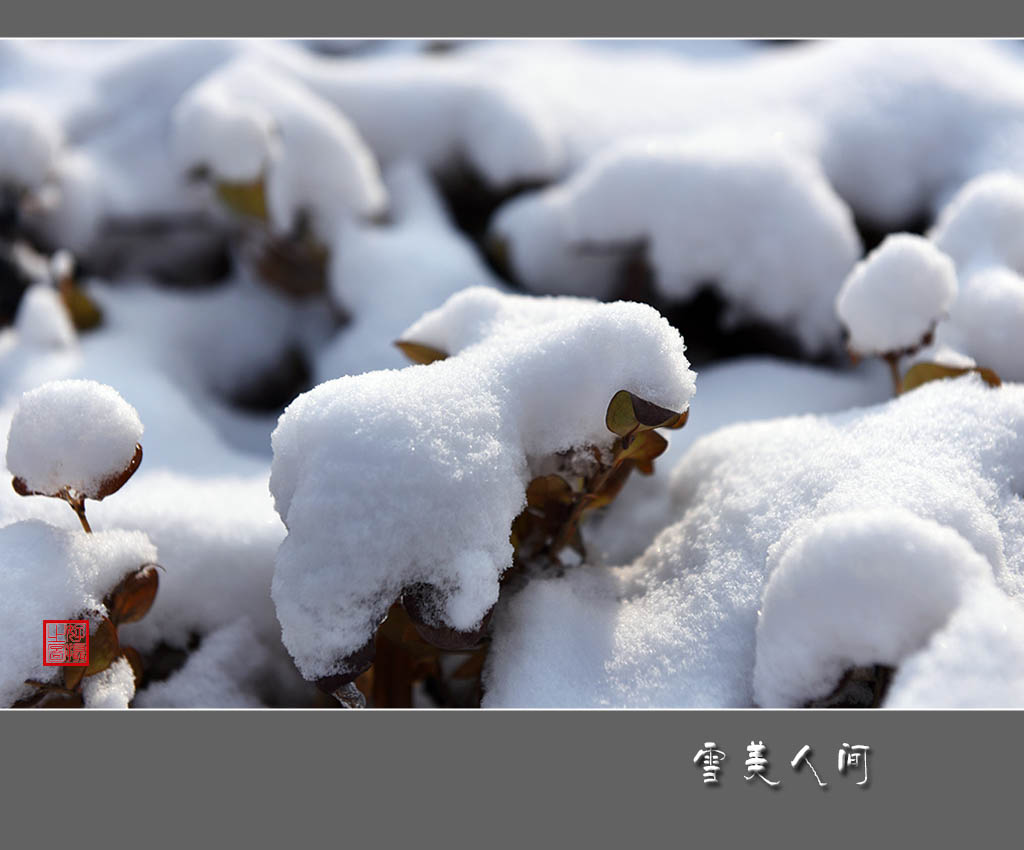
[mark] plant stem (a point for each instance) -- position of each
(562, 538)
(894, 369)
(78, 506)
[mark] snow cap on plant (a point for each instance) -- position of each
(74, 440)
(30, 141)
(893, 299)
(454, 444)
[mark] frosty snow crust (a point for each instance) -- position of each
(447, 448)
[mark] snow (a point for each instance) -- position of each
(770, 389)
(53, 574)
(979, 229)
(691, 204)
(72, 434)
(43, 319)
(463, 433)
(679, 627)
(894, 298)
(974, 661)
(244, 123)
(861, 588)
(222, 673)
(387, 277)
(863, 530)
(30, 141)
(111, 688)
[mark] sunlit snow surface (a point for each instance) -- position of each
(756, 565)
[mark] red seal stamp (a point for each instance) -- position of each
(65, 643)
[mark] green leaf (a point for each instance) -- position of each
(620, 417)
(245, 199)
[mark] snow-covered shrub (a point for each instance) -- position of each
(893, 299)
(680, 627)
(980, 229)
(759, 223)
(51, 574)
(523, 392)
(246, 126)
(73, 440)
(30, 143)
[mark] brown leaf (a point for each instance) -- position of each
(549, 490)
(419, 353)
(922, 373)
(133, 596)
(643, 447)
(422, 602)
(84, 312)
(60, 699)
(628, 413)
(132, 656)
(115, 482)
(73, 675)
(103, 647)
(349, 668)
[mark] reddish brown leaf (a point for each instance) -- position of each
(133, 597)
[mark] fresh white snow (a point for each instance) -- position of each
(72, 434)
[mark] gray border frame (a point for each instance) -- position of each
(471, 18)
(578, 778)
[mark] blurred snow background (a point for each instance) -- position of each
(248, 220)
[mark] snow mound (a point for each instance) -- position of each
(975, 661)
(245, 123)
(72, 434)
(893, 299)
(531, 378)
(980, 229)
(53, 574)
(30, 143)
(220, 674)
(678, 627)
(758, 222)
(860, 588)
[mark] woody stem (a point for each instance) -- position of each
(562, 538)
(78, 506)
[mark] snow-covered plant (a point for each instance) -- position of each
(758, 223)
(278, 156)
(73, 440)
(980, 229)
(109, 578)
(802, 548)
(893, 299)
(521, 390)
(30, 142)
